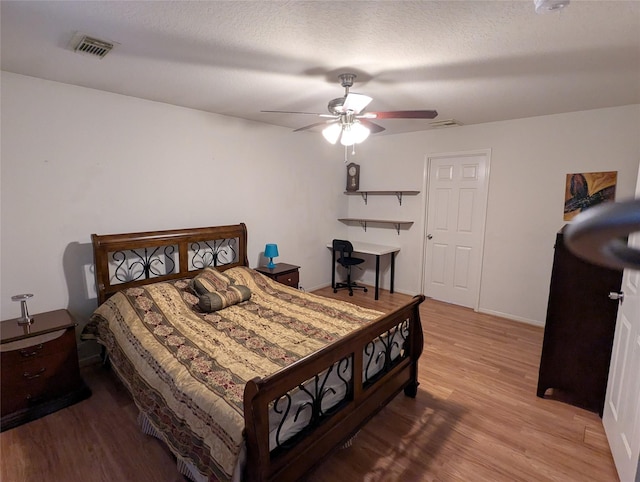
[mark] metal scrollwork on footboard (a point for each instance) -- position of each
(312, 402)
(384, 352)
(132, 265)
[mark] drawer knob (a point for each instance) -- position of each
(35, 351)
(31, 376)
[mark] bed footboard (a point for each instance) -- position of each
(393, 343)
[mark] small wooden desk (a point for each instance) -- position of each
(369, 248)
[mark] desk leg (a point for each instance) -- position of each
(333, 268)
(377, 273)
(393, 269)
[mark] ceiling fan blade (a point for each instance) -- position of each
(289, 112)
(406, 114)
(311, 126)
(356, 102)
(374, 128)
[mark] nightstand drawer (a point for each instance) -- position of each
(38, 347)
(290, 279)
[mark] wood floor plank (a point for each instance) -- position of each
(475, 418)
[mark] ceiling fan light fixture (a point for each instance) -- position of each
(354, 133)
(360, 132)
(332, 132)
(347, 138)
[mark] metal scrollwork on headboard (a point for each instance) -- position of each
(216, 253)
(136, 264)
(136, 259)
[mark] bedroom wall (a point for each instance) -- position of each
(529, 162)
(77, 161)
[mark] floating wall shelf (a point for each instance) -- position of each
(364, 222)
(398, 194)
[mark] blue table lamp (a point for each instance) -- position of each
(271, 251)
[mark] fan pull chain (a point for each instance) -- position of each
(346, 152)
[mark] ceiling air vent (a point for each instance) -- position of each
(445, 123)
(92, 46)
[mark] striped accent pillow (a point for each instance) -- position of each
(218, 300)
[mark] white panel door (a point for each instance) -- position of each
(621, 417)
(456, 205)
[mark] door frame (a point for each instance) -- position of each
(425, 211)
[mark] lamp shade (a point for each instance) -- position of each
(350, 133)
(354, 133)
(271, 251)
(359, 132)
(332, 132)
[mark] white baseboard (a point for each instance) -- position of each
(512, 317)
(319, 287)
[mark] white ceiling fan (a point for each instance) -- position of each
(347, 120)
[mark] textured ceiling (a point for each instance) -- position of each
(473, 61)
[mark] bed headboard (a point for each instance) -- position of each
(135, 259)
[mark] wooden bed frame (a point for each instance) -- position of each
(327, 431)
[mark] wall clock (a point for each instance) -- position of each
(353, 177)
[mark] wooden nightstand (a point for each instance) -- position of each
(38, 368)
(284, 273)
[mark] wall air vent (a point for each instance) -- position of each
(445, 123)
(94, 47)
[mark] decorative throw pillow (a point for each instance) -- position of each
(218, 300)
(210, 280)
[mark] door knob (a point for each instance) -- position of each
(429, 236)
(616, 295)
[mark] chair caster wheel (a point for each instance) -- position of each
(365, 290)
(350, 293)
(335, 290)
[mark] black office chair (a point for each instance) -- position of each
(345, 248)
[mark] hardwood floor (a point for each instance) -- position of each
(475, 418)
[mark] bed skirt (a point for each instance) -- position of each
(186, 468)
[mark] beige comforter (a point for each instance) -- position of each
(187, 370)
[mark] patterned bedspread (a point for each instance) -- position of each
(186, 369)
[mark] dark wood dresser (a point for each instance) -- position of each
(578, 335)
(38, 368)
(287, 274)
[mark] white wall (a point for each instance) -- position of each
(529, 162)
(77, 161)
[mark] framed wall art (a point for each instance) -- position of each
(584, 190)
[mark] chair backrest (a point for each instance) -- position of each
(345, 247)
